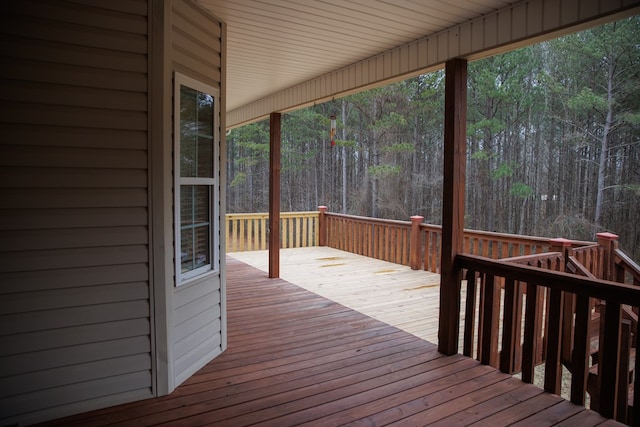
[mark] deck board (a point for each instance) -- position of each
(395, 294)
(297, 358)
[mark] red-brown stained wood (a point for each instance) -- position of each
(489, 319)
(609, 355)
(470, 313)
(531, 329)
(455, 120)
(294, 357)
(510, 326)
(553, 367)
(580, 357)
(274, 194)
(623, 371)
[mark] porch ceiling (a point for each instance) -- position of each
(276, 45)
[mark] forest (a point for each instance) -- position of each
(553, 145)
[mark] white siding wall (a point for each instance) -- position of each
(198, 333)
(74, 258)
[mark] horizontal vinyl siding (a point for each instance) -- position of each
(197, 330)
(75, 331)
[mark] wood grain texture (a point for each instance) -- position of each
(297, 358)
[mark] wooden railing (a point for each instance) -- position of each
(417, 244)
(248, 232)
(528, 300)
(411, 243)
(531, 293)
(627, 271)
(383, 239)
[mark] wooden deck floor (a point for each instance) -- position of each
(297, 358)
(389, 292)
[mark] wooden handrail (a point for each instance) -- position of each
(593, 288)
(546, 290)
(626, 265)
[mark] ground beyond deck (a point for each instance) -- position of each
(297, 358)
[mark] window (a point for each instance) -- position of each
(196, 182)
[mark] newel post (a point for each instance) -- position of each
(563, 246)
(609, 242)
(322, 226)
(415, 246)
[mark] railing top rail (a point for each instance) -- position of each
(506, 236)
(586, 247)
(518, 237)
(525, 258)
(577, 268)
(247, 215)
(585, 286)
(425, 226)
(370, 220)
(624, 259)
(266, 215)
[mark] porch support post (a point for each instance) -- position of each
(274, 194)
(455, 129)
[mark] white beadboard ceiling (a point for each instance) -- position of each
(275, 44)
(283, 54)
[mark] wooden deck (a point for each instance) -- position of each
(389, 292)
(297, 358)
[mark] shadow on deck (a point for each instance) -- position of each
(295, 357)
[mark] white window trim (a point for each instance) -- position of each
(214, 183)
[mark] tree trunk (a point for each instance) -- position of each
(604, 147)
(344, 157)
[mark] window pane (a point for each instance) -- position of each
(186, 250)
(201, 246)
(205, 157)
(201, 204)
(188, 131)
(195, 231)
(205, 114)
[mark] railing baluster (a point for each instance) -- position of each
(469, 314)
(609, 356)
(510, 326)
(530, 344)
(489, 345)
(623, 368)
(581, 348)
(635, 414)
(553, 367)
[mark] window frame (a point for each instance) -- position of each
(213, 267)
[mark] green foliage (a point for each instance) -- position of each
(520, 190)
(479, 127)
(239, 179)
(587, 100)
(401, 147)
(346, 143)
(505, 170)
(384, 171)
(631, 118)
(481, 155)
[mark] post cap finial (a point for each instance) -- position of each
(607, 236)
